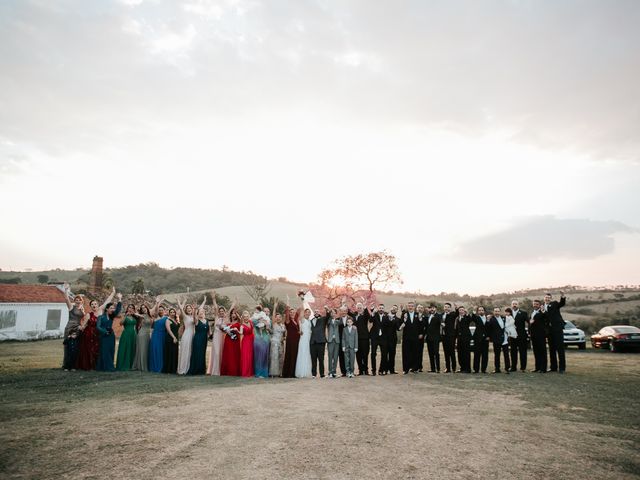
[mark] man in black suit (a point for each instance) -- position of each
(361, 321)
(500, 340)
(464, 340)
(556, 332)
(519, 344)
(449, 333)
(433, 326)
(422, 321)
(411, 330)
(318, 340)
(537, 330)
(380, 325)
(392, 338)
(344, 314)
(480, 341)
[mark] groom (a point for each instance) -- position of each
(318, 340)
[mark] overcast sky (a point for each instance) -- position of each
(490, 146)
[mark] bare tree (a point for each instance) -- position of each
(258, 291)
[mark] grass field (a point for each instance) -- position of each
(584, 424)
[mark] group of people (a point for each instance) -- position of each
(159, 338)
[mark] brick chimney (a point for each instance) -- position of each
(95, 277)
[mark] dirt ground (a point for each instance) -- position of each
(132, 425)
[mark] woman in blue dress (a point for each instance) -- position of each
(156, 346)
(261, 341)
(198, 364)
(104, 327)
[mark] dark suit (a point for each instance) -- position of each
(392, 341)
(538, 332)
(433, 326)
(464, 343)
(317, 341)
(556, 335)
(343, 324)
(361, 322)
(422, 321)
(496, 333)
(519, 345)
(480, 344)
(379, 333)
(410, 341)
(449, 334)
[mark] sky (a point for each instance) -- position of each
(490, 146)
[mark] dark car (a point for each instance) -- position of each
(617, 338)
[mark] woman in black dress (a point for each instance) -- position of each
(172, 326)
(198, 365)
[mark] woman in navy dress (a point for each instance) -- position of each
(156, 346)
(107, 337)
(198, 364)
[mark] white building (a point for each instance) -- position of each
(29, 312)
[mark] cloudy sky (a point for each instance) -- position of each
(489, 145)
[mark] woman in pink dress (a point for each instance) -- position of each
(246, 345)
(217, 345)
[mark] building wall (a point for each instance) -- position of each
(29, 322)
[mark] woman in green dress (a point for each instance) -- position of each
(127, 344)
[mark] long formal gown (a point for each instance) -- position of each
(71, 346)
(217, 345)
(127, 344)
(170, 360)
(230, 364)
(276, 352)
(261, 343)
(198, 364)
(156, 346)
(303, 363)
(246, 350)
(141, 360)
(291, 351)
(107, 340)
(89, 344)
(184, 354)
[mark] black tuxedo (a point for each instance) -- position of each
(422, 320)
(519, 345)
(411, 331)
(381, 324)
(392, 341)
(464, 343)
(480, 344)
(537, 331)
(361, 322)
(317, 342)
(556, 335)
(449, 334)
(496, 333)
(432, 329)
(341, 326)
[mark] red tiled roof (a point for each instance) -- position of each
(30, 294)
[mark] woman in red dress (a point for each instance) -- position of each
(89, 341)
(291, 347)
(246, 345)
(230, 364)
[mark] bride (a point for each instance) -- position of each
(303, 362)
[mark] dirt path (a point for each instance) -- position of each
(365, 428)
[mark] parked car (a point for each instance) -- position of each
(617, 337)
(574, 336)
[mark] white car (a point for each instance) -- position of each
(574, 336)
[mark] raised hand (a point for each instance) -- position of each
(119, 296)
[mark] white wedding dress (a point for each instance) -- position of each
(303, 362)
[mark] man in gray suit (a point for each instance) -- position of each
(333, 342)
(349, 346)
(317, 341)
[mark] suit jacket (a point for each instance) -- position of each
(482, 329)
(318, 333)
(432, 327)
(342, 324)
(554, 318)
(361, 322)
(496, 332)
(381, 324)
(392, 332)
(333, 331)
(411, 329)
(522, 322)
(464, 332)
(450, 324)
(350, 340)
(538, 324)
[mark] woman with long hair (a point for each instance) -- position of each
(128, 339)
(292, 326)
(188, 330)
(217, 344)
(276, 353)
(246, 345)
(141, 359)
(172, 326)
(198, 364)
(107, 337)
(230, 364)
(158, 334)
(72, 330)
(262, 339)
(89, 340)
